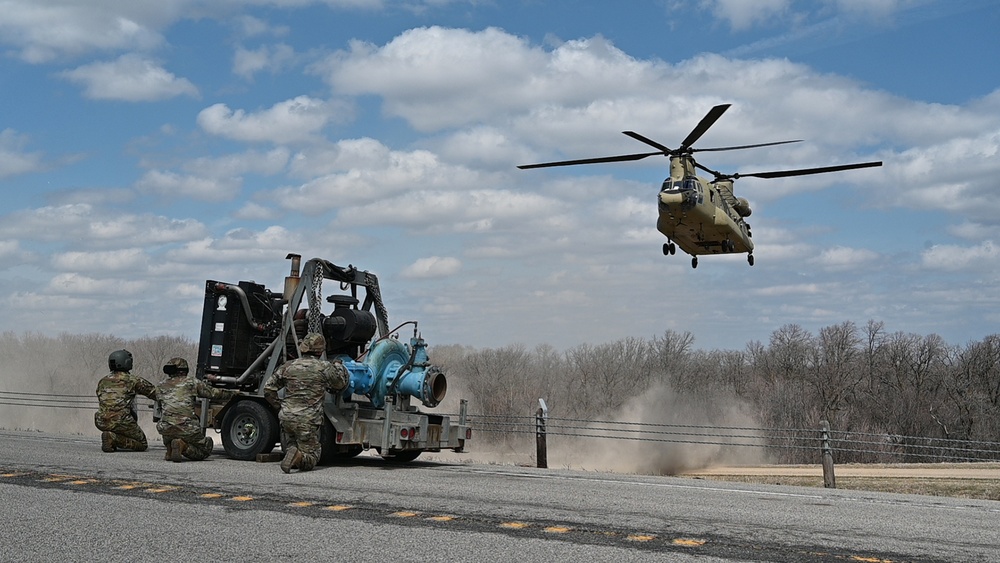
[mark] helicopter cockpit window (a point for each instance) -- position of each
(695, 186)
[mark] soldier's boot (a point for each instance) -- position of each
(209, 446)
(108, 442)
(177, 449)
(308, 462)
(133, 445)
(293, 458)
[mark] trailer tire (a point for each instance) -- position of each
(249, 428)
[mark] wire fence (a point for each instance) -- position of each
(789, 445)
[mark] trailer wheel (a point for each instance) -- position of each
(249, 428)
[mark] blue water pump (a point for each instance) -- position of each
(393, 368)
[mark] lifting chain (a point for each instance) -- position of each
(314, 299)
(382, 316)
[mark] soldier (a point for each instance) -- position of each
(305, 380)
(179, 423)
(116, 416)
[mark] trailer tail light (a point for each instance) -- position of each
(340, 437)
(468, 433)
(408, 433)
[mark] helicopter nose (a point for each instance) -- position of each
(672, 197)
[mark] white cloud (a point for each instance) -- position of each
(982, 257)
(173, 185)
(254, 212)
(295, 120)
(432, 267)
(370, 173)
(239, 246)
(234, 165)
(82, 223)
(13, 159)
(271, 58)
(741, 14)
(77, 284)
(131, 78)
(46, 29)
(122, 260)
(842, 258)
(444, 211)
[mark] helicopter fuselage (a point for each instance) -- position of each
(694, 214)
(701, 217)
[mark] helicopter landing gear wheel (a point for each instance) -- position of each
(666, 249)
(694, 262)
(750, 259)
(669, 249)
(673, 249)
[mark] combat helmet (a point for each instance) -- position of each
(313, 343)
(176, 366)
(120, 360)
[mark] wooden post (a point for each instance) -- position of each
(541, 451)
(829, 480)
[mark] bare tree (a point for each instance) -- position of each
(609, 374)
(835, 369)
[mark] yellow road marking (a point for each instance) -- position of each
(442, 518)
(640, 537)
(160, 489)
(557, 529)
(300, 504)
(210, 495)
(688, 543)
(242, 498)
(338, 507)
(12, 474)
(83, 481)
(57, 478)
(514, 525)
(870, 559)
(404, 514)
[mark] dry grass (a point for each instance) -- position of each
(972, 481)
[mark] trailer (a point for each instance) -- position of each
(248, 330)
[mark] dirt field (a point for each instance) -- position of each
(962, 480)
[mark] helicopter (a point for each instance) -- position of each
(702, 216)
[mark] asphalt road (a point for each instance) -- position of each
(62, 499)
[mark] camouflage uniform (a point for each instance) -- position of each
(179, 419)
(115, 415)
(305, 380)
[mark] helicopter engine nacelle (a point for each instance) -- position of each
(742, 207)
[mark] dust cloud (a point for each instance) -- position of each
(665, 453)
(668, 451)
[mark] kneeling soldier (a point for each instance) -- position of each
(179, 422)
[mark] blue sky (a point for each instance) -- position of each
(146, 148)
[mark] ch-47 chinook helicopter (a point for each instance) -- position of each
(702, 216)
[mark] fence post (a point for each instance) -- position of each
(541, 451)
(829, 480)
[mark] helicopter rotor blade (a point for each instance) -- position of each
(710, 118)
(807, 171)
(620, 158)
(716, 149)
(648, 141)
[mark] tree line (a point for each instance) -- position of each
(865, 380)
(861, 379)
